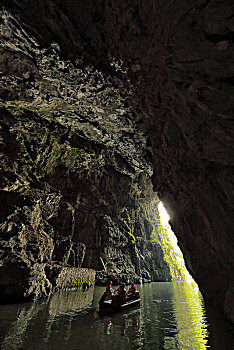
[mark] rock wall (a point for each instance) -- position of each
(75, 172)
(65, 209)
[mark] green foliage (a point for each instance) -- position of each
(42, 283)
(171, 256)
(143, 271)
(79, 283)
(67, 255)
(146, 273)
(161, 236)
(127, 223)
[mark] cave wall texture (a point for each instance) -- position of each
(114, 89)
(75, 172)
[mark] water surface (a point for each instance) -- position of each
(171, 316)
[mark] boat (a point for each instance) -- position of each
(118, 304)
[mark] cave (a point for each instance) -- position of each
(108, 107)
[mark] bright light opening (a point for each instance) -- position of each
(171, 237)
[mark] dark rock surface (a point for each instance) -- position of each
(75, 181)
(146, 82)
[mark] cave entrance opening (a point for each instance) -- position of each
(172, 253)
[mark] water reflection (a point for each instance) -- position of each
(189, 309)
(37, 324)
(170, 317)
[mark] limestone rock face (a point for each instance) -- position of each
(160, 91)
(75, 180)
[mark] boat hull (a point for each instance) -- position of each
(109, 307)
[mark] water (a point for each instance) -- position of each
(171, 316)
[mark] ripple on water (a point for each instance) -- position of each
(171, 316)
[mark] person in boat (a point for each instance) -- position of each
(133, 293)
(119, 288)
(108, 294)
(132, 289)
(123, 292)
(109, 291)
